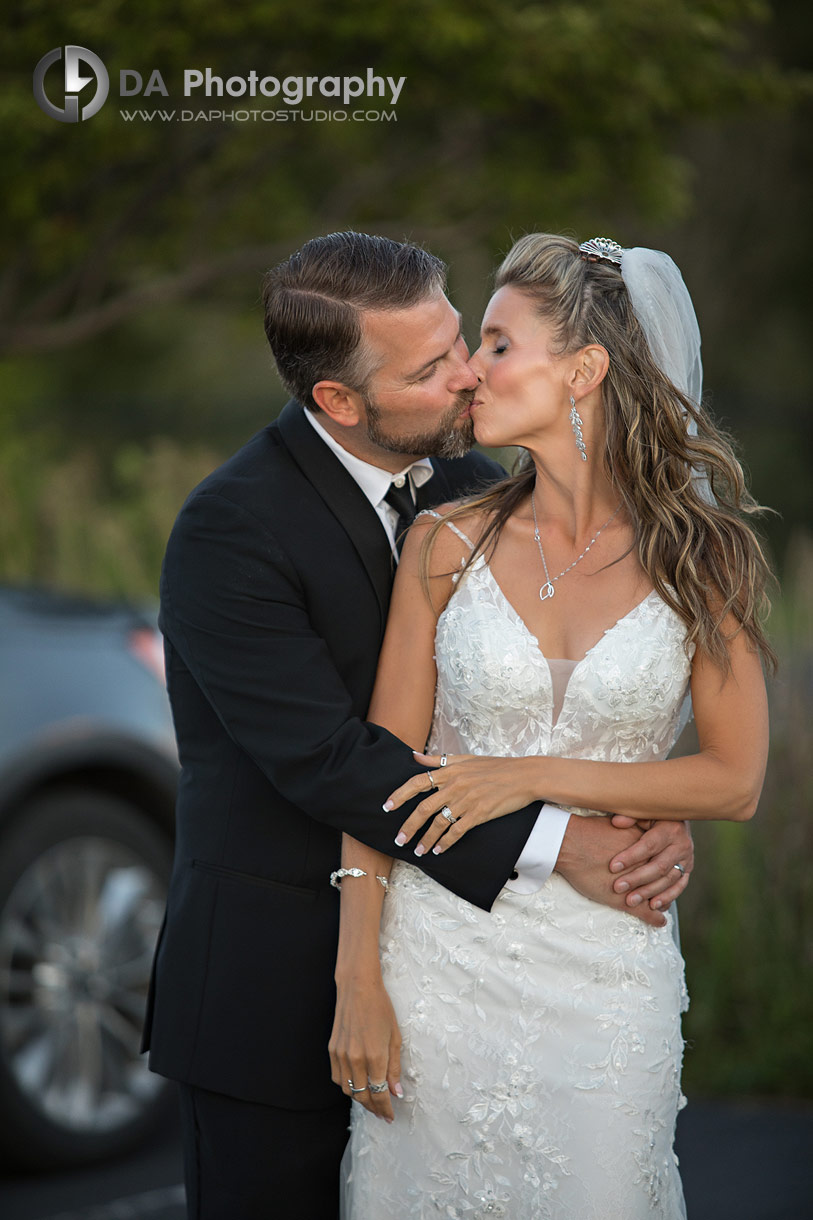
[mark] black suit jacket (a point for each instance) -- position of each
(274, 597)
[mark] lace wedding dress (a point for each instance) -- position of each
(542, 1044)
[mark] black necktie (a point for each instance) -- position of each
(400, 498)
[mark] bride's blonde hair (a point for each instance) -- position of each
(701, 555)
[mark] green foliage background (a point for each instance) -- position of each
(132, 356)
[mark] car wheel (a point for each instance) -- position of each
(83, 880)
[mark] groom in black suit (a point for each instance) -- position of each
(274, 599)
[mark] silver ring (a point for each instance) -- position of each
(444, 758)
(432, 785)
(448, 815)
(680, 869)
(353, 1088)
(378, 1088)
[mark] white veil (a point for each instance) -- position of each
(666, 315)
(664, 309)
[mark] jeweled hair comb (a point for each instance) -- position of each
(602, 247)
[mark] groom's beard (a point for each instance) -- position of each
(450, 438)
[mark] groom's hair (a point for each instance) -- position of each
(314, 300)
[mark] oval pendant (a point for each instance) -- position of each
(546, 591)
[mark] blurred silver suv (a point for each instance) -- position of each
(88, 771)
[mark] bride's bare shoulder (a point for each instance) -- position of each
(453, 534)
(461, 522)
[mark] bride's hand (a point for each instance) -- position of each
(365, 1046)
(472, 788)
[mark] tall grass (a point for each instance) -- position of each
(76, 522)
(747, 917)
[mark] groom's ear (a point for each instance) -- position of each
(343, 405)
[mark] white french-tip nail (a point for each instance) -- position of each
(399, 1092)
(436, 851)
(420, 849)
(387, 806)
(400, 840)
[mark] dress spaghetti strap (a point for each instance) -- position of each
(430, 512)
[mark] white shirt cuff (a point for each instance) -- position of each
(541, 851)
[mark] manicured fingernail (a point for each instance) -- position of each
(622, 887)
(437, 850)
(618, 867)
(420, 849)
(657, 904)
(387, 806)
(399, 1092)
(634, 901)
(389, 1120)
(400, 839)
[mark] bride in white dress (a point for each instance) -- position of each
(552, 631)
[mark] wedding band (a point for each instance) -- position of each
(378, 1088)
(680, 869)
(444, 758)
(432, 785)
(353, 1088)
(448, 815)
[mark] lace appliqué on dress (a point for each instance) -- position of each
(542, 1043)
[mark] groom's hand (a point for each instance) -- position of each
(656, 868)
(647, 859)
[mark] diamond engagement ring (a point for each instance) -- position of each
(680, 869)
(448, 815)
(378, 1088)
(353, 1088)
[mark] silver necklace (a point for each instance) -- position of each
(547, 589)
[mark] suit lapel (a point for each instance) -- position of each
(346, 501)
(344, 498)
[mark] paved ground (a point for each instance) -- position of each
(745, 1162)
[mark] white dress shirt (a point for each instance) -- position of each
(541, 851)
(375, 482)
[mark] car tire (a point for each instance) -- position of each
(83, 880)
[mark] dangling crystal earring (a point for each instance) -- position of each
(577, 425)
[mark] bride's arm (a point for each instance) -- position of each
(365, 1043)
(723, 780)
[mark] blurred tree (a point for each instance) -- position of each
(506, 103)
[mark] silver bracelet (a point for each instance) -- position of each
(336, 878)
